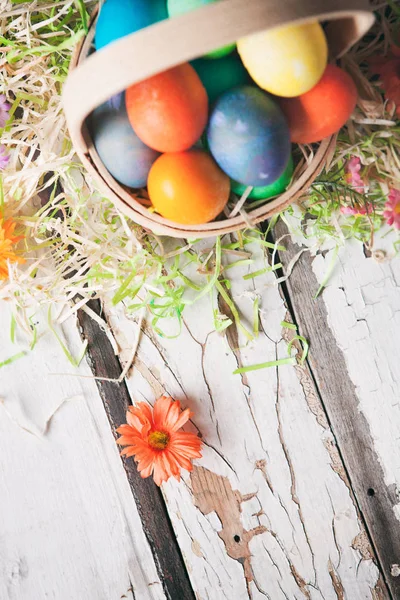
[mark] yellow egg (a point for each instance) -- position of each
(287, 61)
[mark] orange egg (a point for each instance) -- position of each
(323, 110)
(169, 111)
(188, 187)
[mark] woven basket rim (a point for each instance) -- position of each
(135, 210)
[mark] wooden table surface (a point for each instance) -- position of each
(298, 493)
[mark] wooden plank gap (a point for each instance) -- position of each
(148, 497)
(349, 426)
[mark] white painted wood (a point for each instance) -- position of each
(268, 435)
(363, 304)
(69, 528)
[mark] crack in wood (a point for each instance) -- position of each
(148, 498)
(315, 407)
(305, 380)
(349, 426)
(261, 465)
(334, 528)
(291, 471)
(300, 582)
(336, 582)
(150, 335)
(232, 337)
(290, 564)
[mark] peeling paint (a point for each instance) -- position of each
(213, 493)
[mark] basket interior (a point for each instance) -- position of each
(311, 161)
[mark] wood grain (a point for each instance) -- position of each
(148, 498)
(354, 429)
(271, 480)
(69, 528)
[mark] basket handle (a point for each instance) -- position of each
(180, 39)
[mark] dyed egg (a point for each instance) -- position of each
(267, 191)
(249, 137)
(124, 155)
(221, 74)
(323, 110)
(169, 111)
(287, 61)
(188, 187)
(119, 18)
(178, 7)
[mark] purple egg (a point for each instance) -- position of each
(248, 136)
(124, 155)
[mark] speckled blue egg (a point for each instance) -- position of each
(248, 136)
(118, 18)
(124, 155)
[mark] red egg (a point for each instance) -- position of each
(323, 110)
(169, 111)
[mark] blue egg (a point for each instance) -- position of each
(125, 156)
(118, 18)
(248, 136)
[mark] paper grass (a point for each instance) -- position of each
(77, 246)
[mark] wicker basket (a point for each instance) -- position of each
(95, 78)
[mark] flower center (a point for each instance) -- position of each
(158, 439)
(397, 209)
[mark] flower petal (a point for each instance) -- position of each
(133, 421)
(160, 411)
(147, 471)
(125, 429)
(159, 473)
(183, 462)
(182, 419)
(125, 440)
(172, 416)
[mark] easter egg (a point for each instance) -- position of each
(323, 110)
(248, 136)
(188, 187)
(119, 18)
(221, 74)
(179, 7)
(286, 61)
(267, 191)
(169, 111)
(124, 155)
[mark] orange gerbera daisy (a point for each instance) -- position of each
(152, 437)
(7, 240)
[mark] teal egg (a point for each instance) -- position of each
(119, 18)
(267, 191)
(179, 7)
(220, 75)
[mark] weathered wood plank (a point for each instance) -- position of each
(147, 496)
(353, 330)
(269, 514)
(148, 500)
(69, 528)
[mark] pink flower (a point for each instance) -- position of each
(352, 174)
(352, 177)
(392, 209)
(4, 108)
(4, 157)
(356, 209)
